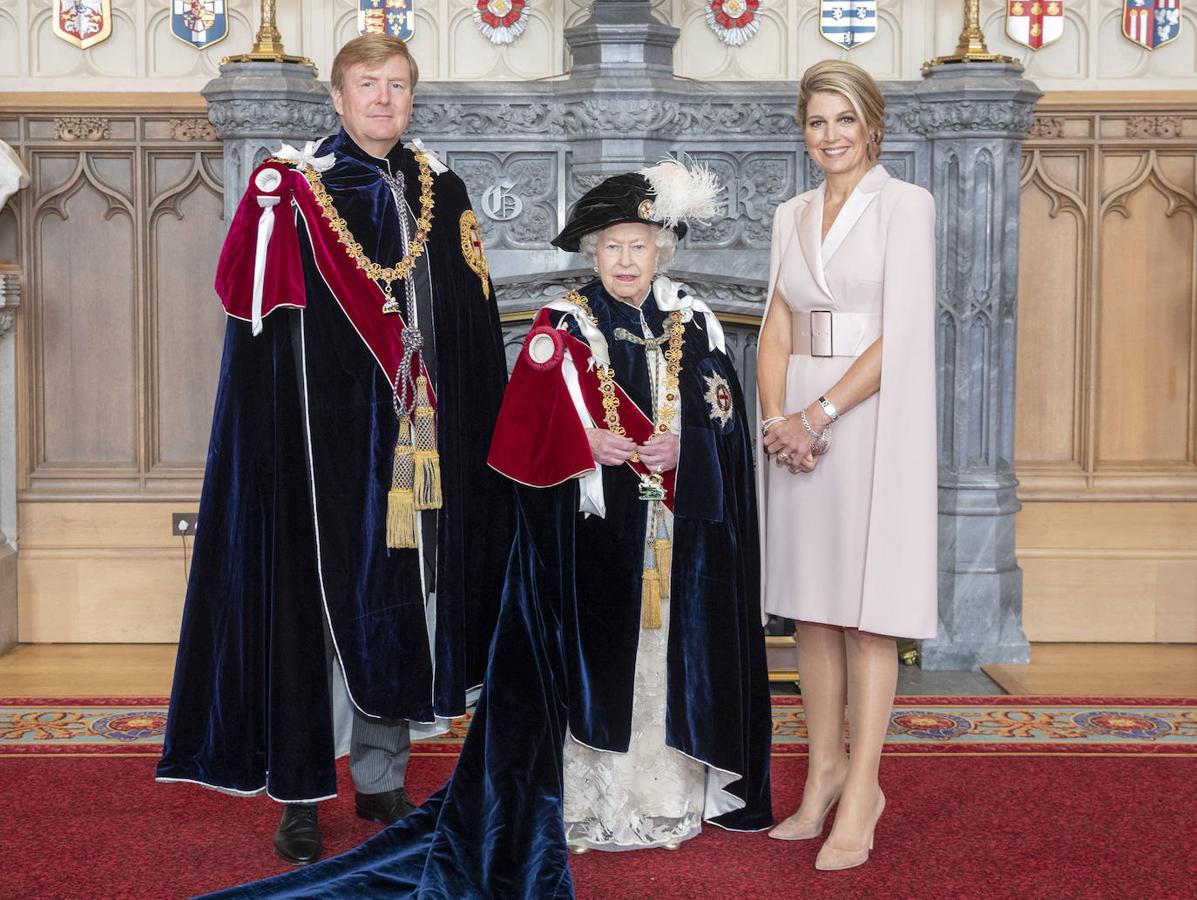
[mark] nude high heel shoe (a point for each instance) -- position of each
(832, 859)
(793, 830)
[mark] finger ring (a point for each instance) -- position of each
(783, 456)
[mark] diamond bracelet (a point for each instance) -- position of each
(822, 438)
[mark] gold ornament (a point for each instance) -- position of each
(471, 249)
(373, 270)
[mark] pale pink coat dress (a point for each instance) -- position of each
(854, 542)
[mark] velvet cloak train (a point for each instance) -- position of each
(565, 647)
(291, 529)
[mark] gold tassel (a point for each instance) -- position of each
(428, 481)
(401, 512)
(427, 476)
(401, 520)
(650, 600)
(663, 549)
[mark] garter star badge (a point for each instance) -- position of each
(848, 23)
(201, 23)
(83, 23)
(394, 17)
(1035, 23)
(471, 249)
(719, 398)
(1150, 23)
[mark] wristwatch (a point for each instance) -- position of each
(829, 408)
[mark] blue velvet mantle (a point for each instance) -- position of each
(291, 529)
(564, 655)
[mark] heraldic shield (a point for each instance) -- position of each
(1035, 23)
(848, 23)
(201, 23)
(83, 23)
(394, 17)
(1150, 23)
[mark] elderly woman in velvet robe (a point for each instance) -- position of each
(668, 724)
(626, 699)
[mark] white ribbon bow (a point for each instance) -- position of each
(669, 298)
(434, 162)
(307, 156)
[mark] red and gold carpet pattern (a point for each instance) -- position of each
(918, 724)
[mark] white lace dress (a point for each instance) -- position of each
(652, 795)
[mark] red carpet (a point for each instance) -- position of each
(990, 823)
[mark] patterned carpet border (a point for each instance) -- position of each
(981, 725)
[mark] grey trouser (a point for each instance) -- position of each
(379, 749)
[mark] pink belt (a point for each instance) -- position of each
(825, 332)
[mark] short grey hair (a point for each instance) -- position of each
(665, 239)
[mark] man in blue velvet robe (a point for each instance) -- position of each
(323, 609)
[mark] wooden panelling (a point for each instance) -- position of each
(1109, 571)
(100, 572)
(1176, 601)
(1054, 258)
(1107, 369)
(1107, 358)
(188, 321)
(84, 270)
(1099, 527)
(121, 345)
(1145, 315)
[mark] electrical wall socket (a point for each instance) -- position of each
(183, 523)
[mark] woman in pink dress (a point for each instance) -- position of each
(848, 513)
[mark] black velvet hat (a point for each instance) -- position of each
(619, 199)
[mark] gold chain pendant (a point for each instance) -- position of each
(651, 486)
(373, 270)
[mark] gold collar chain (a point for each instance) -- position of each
(353, 248)
(673, 368)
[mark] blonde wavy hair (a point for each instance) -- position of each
(856, 85)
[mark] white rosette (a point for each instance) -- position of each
(734, 21)
(501, 21)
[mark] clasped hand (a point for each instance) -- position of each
(790, 445)
(659, 453)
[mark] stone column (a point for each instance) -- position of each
(975, 116)
(616, 102)
(254, 106)
(10, 300)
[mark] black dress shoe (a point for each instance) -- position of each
(388, 807)
(297, 839)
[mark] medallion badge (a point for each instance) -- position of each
(471, 249)
(201, 23)
(396, 18)
(1035, 23)
(848, 23)
(83, 23)
(1150, 23)
(719, 398)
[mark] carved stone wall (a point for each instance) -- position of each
(143, 55)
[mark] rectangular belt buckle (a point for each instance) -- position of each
(820, 333)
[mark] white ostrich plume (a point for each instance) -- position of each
(683, 194)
